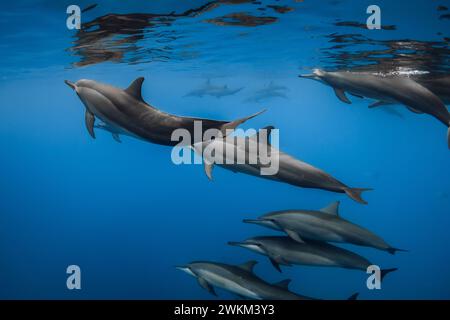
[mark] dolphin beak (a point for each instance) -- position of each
(308, 76)
(232, 243)
(71, 84)
(251, 221)
(186, 269)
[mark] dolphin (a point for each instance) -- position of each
(240, 280)
(285, 251)
(265, 95)
(386, 90)
(270, 91)
(126, 109)
(213, 90)
(291, 170)
(321, 225)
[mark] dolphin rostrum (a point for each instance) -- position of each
(290, 170)
(240, 280)
(321, 225)
(126, 111)
(386, 89)
(285, 251)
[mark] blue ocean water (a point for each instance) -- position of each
(127, 215)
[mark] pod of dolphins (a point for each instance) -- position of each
(307, 232)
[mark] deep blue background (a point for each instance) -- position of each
(126, 215)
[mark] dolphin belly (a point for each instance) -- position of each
(228, 284)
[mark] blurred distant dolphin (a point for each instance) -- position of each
(240, 280)
(321, 225)
(385, 89)
(263, 96)
(269, 92)
(213, 90)
(285, 251)
(290, 170)
(126, 111)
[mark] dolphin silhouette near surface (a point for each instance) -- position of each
(386, 90)
(125, 111)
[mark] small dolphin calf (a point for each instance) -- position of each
(240, 280)
(125, 111)
(387, 90)
(321, 225)
(290, 170)
(115, 131)
(285, 251)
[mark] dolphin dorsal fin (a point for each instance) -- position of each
(269, 131)
(283, 284)
(135, 89)
(248, 266)
(332, 208)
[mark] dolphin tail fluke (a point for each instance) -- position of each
(384, 272)
(236, 123)
(355, 194)
(353, 296)
(394, 250)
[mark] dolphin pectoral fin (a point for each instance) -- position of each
(357, 95)
(378, 104)
(277, 260)
(355, 194)
(205, 285)
(116, 137)
(341, 95)
(234, 124)
(448, 137)
(275, 264)
(89, 119)
(208, 169)
(414, 110)
(294, 235)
